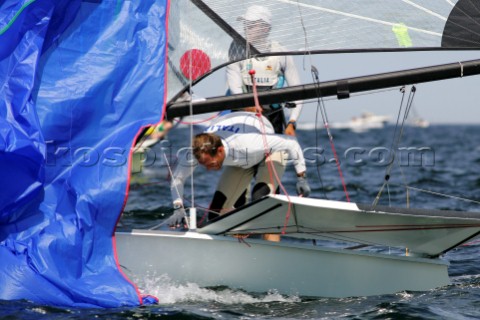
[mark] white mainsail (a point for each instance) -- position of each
(312, 26)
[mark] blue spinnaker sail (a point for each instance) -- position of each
(78, 80)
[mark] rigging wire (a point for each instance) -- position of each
(317, 166)
(304, 29)
(397, 136)
(436, 193)
(350, 235)
(315, 79)
(190, 84)
(392, 151)
(176, 189)
(407, 113)
(323, 111)
(355, 94)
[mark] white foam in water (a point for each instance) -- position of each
(170, 292)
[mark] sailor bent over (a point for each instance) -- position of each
(239, 141)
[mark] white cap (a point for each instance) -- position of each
(256, 12)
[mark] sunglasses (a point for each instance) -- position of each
(255, 24)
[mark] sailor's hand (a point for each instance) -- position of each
(291, 127)
(177, 219)
(290, 130)
(303, 189)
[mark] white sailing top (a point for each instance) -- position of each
(245, 137)
(236, 78)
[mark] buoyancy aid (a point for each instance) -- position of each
(268, 70)
(268, 75)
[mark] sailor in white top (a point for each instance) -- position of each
(270, 72)
(238, 141)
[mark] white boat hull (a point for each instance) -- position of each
(260, 266)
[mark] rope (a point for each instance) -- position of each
(258, 109)
(271, 168)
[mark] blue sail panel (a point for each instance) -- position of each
(81, 79)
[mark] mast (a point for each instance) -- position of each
(341, 88)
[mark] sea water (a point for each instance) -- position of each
(442, 163)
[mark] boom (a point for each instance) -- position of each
(342, 88)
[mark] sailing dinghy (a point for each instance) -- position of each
(294, 267)
(81, 79)
(218, 254)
